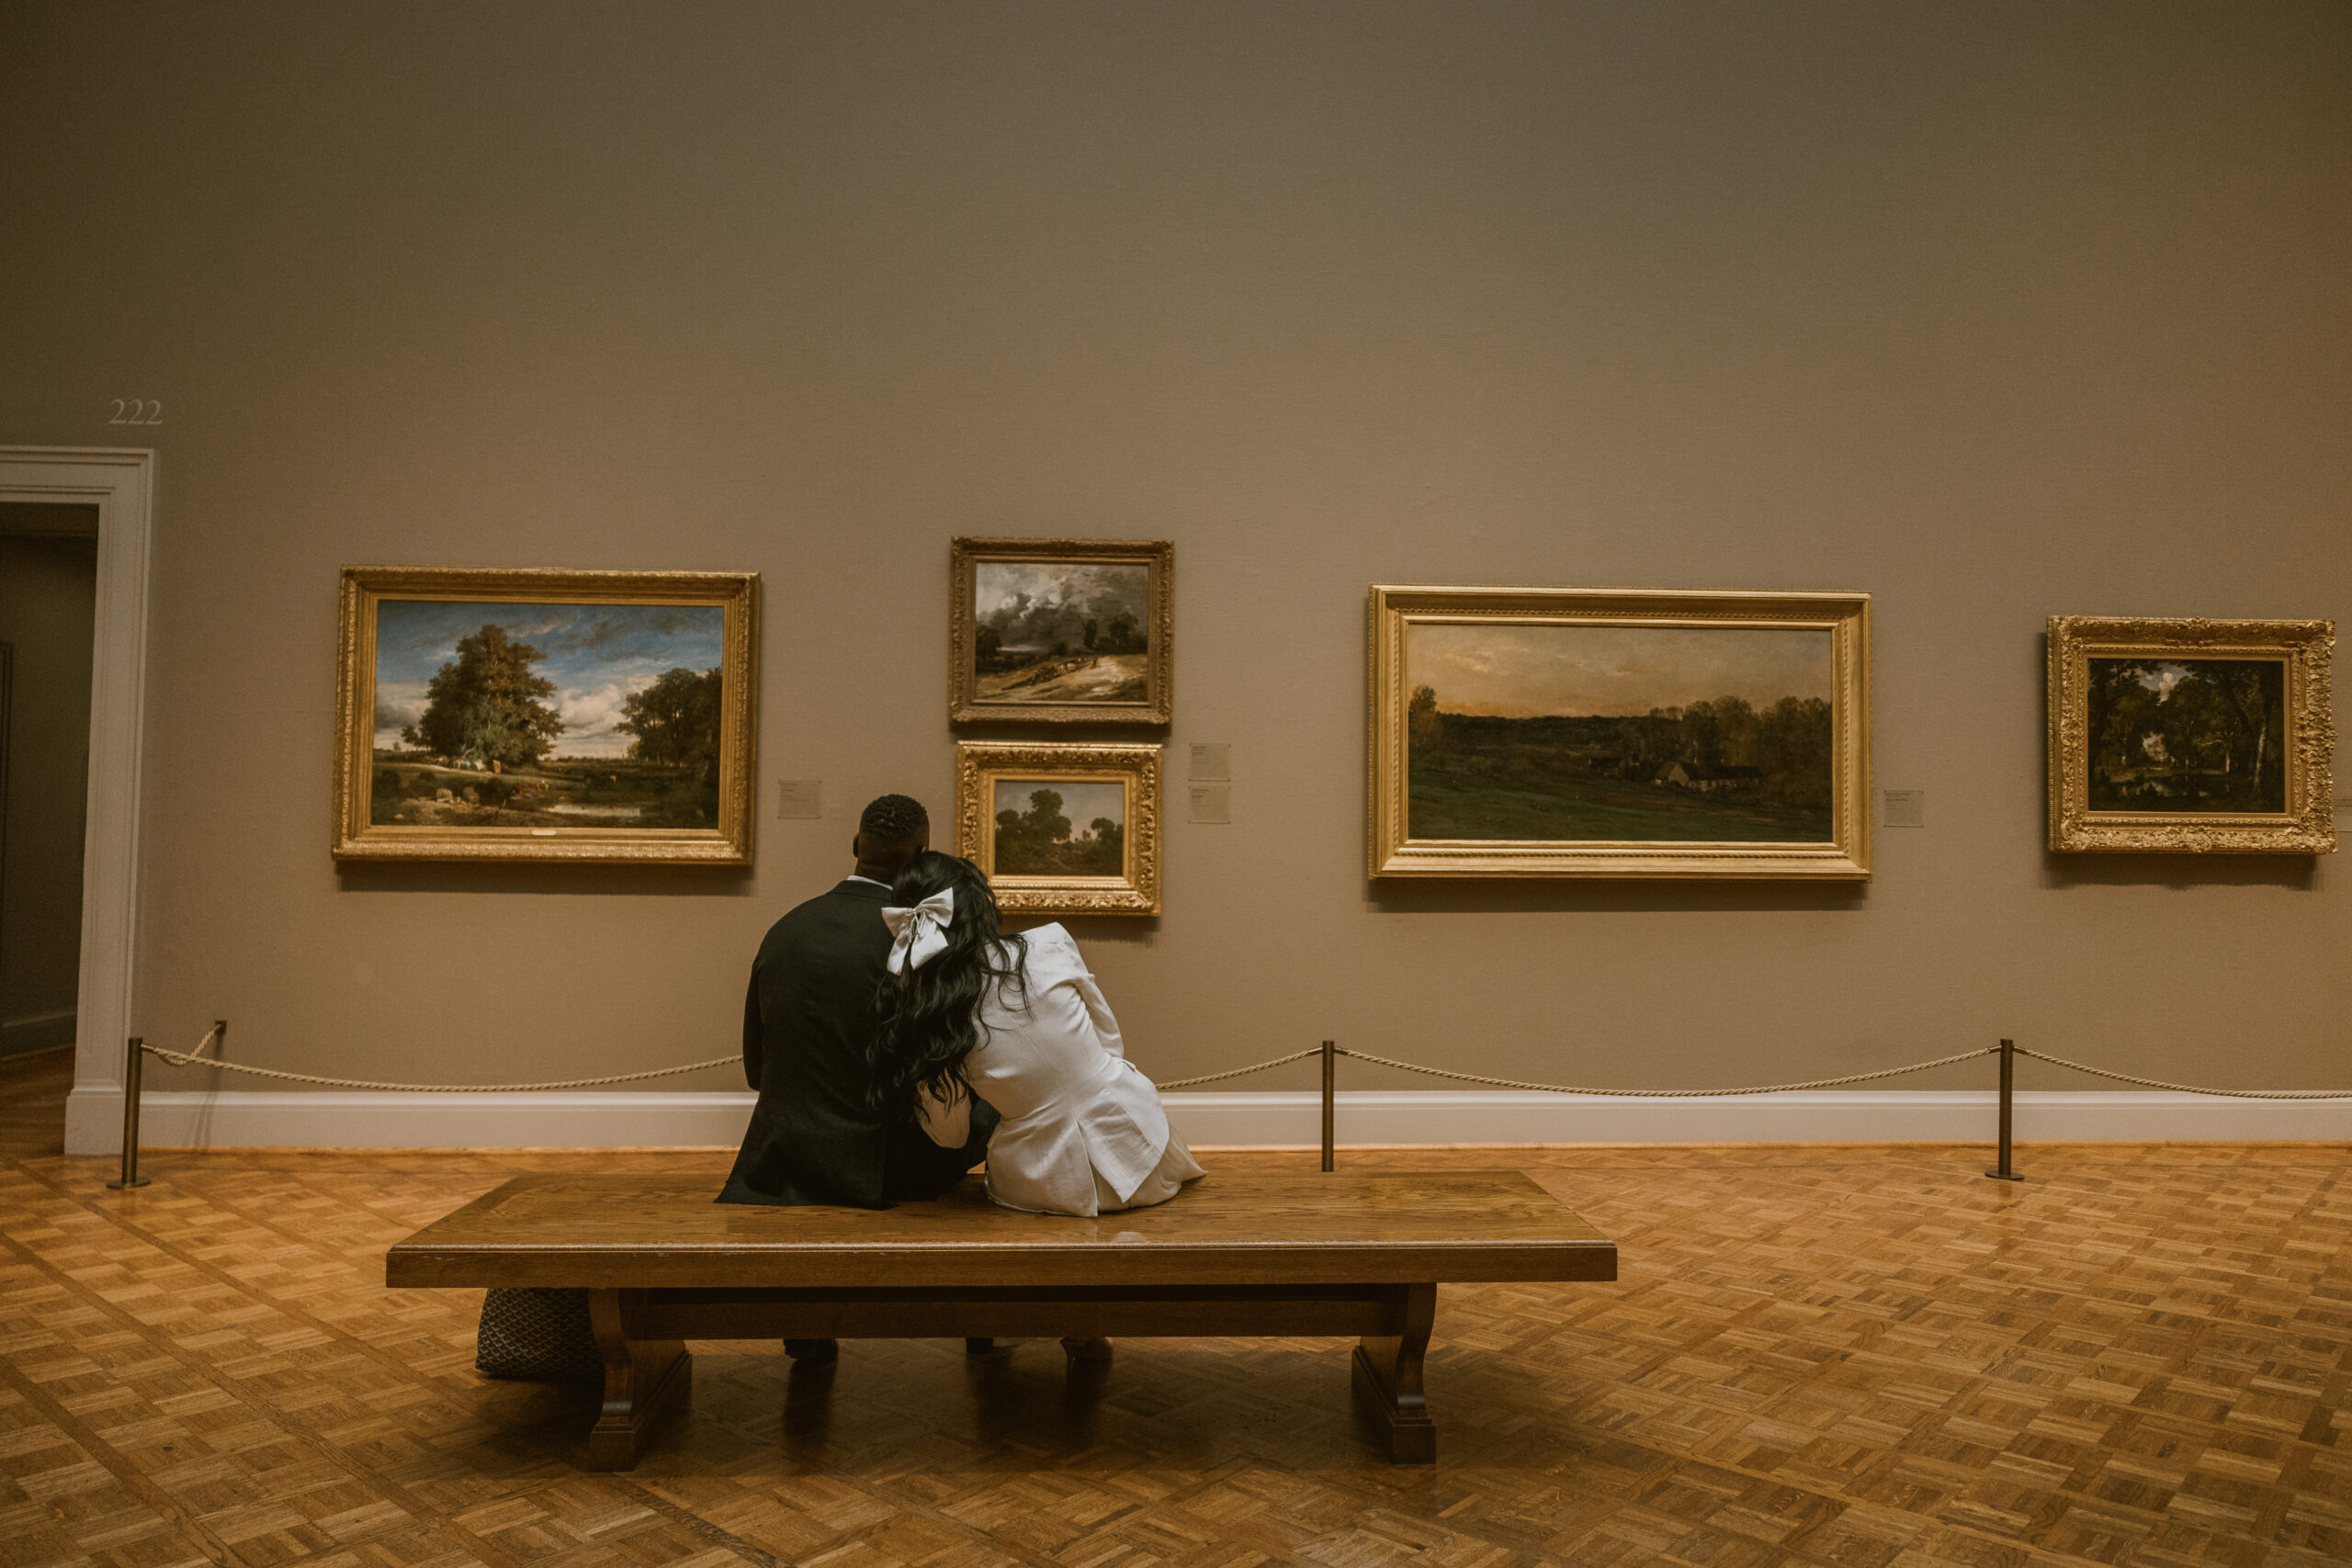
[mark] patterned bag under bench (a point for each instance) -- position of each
(537, 1335)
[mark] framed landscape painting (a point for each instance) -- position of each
(1062, 829)
(1061, 631)
(545, 716)
(1619, 733)
(2190, 736)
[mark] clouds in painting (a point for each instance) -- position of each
(1034, 604)
(597, 655)
(1525, 672)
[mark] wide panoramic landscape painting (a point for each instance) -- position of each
(1060, 632)
(1060, 828)
(1619, 733)
(2188, 734)
(546, 716)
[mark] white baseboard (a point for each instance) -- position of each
(238, 1119)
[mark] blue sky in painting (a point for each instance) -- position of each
(596, 655)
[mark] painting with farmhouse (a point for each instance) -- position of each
(2174, 735)
(546, 715)
(1062, 828)
(1066, 631)
(1569, 732)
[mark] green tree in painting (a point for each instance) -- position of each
(675, 721)
(1422, 726)
(1795, 746)
(1040, 842)
(486, 707)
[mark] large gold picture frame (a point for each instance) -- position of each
(2186, 736)
(1577, 732)
(1061, 631)
(1062, 828)
(505, 714)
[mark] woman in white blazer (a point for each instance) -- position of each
(1018, 1021)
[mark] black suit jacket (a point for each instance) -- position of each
(807, 1021)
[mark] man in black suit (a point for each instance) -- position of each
(807, 1023)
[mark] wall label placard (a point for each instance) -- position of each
(1209, 802)
(1211, 763)
(802, 798)
(1907, 809)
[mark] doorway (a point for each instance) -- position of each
(49, 579)
(119, 483)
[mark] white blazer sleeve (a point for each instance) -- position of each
(948, 1125)
(1098, 1012)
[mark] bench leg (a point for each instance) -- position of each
(645, 1380)
(1387, 1381)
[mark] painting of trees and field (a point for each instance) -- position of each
(2188, 734)
(1060, 632)
(1628, 734)
(546, 716)
(1060, 828)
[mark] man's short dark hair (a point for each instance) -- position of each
(894, 819)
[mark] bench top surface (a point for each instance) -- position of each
(1237, 1228)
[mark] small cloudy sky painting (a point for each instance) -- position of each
(597, 655)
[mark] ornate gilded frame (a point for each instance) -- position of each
(364, 587)
(964, 705)
(979, 765)
(1391, 852)
(2307, 826)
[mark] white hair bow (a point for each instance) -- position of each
(920, 933)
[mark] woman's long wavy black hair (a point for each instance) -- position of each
(929, 1017)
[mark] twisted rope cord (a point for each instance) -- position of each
(1240, 1072)
(2190, 1089)
(185, 1059)
(1673, 1093)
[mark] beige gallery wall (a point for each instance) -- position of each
(1992, 310)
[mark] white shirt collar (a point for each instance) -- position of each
(884, 886)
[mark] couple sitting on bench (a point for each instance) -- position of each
(896, 1037)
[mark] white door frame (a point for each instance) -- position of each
(120, 482)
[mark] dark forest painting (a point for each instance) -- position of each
(2188, 734)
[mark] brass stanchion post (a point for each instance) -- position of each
(1330, 1081)
(2002, 1172)
(134, 1058)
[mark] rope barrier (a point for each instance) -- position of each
(2190, 1089)
(190, 1059)
(1242, 1072)
(198, 1059)
(1670, 1093)
(1330, 1050)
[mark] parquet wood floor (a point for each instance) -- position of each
(1847, 1356)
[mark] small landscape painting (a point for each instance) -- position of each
(1060, 828)
(547, 715)
(1062, 631)
(1626, 733)
(2185, 734)
(2188, 734)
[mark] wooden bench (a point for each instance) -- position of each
(1353, 1253)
